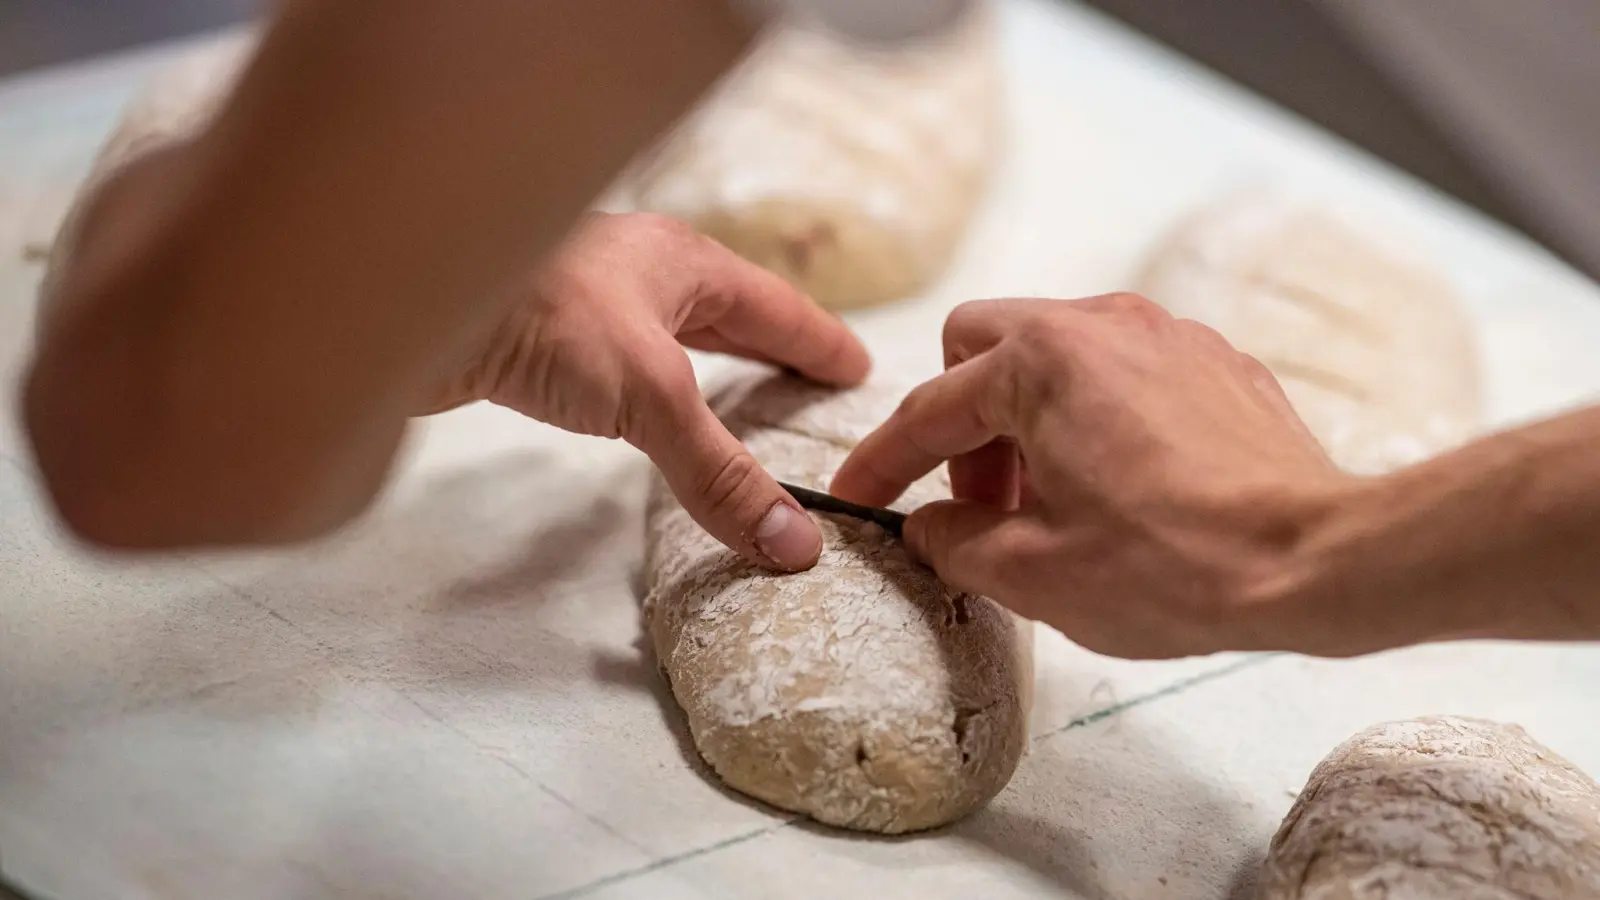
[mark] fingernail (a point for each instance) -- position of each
(788, 538)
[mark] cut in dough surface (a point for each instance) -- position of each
(1372, 348)
(853, 172)
(863, 693)
(1436, 808)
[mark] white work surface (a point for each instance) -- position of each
(451, 699)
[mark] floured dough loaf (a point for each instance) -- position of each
(862, 693)
(172, 107)
(1372, 348)
(851, 171)
(1438, 808)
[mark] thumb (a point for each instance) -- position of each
(727, 492)
(972, 547)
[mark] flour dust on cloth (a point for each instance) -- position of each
(863, 693)
(1371, 345)
(851, 170)
(1439, 808)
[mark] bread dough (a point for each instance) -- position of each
(862, 693)
(1372, 348)
(851, 171)
(1439, 807)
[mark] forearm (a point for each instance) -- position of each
(257, 335)
(1499, 539)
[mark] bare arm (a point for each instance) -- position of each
(252, 317)
(1500, 539)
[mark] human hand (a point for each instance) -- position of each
(1124, 476)
(597, 347)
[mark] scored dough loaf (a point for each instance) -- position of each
(862, 693)
(851, 171)
(1436, 808)
(1373, 349)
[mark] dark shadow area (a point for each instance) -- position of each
(1055, 815)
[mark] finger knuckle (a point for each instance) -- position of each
(654, 383)
(656, 228)
(964, 317)
(936, 532)
(1011, 389)
(914, 402)
(984, 321)
(1026, 380)
(732, 484)
(665, 370)
(1201, 332)
(964, 328)
(1125, 303)
(1261, 369)
(1258, 371)
(1044, 344)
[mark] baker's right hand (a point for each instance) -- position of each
(1122, 475)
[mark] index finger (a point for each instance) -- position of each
(758, 311)
(957, 412)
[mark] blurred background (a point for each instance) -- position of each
(37, 33)
(1497, 103)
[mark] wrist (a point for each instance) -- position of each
(1302, 596)
(1491, 541)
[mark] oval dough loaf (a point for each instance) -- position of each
(862, 693)
(1436, 808)
(850, 171)
(1373, 349)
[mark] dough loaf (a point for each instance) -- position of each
(1372, 348)
(863, 693)
(1437, 808)
(851, 171)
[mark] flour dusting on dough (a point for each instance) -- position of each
(864, 693)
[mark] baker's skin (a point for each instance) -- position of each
(380, 224)
(370, 231)
(1133, 480)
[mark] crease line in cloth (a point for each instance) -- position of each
(626, 875)
(432, 715)
(1099, 715)
(491, 753)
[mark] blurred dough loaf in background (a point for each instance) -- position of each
(852, 171)
(1371, 345)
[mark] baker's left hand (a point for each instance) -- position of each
(596, 346)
